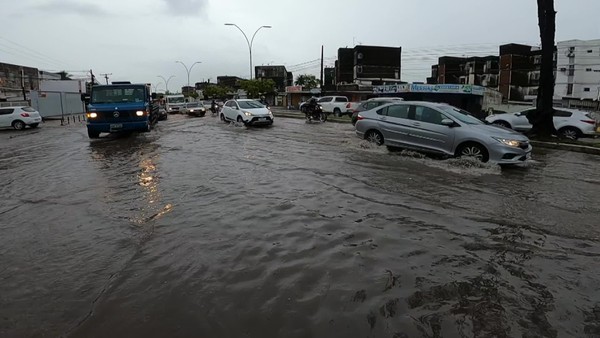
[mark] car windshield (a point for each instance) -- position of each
(250, 104)
(110, 94)
(461, 115)
(193, 104)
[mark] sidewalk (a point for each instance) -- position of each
(586, 145)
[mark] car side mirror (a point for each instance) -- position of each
(518, 114)
(448, 123)
(85, 97)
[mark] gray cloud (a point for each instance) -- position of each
(71, 7)
(185, 7)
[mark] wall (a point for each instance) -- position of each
(56, 104)
(582, 58)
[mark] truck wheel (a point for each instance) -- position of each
(93, 134)
(337, 112)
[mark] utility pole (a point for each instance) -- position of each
(23, 84)
(106, 76)
(321, 82)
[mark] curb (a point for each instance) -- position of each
(300, 116)
(566, 146)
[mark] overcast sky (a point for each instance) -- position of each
(137, 40)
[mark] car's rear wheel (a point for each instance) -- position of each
(569, 133)
(93, 134)
(374, 136)
(502, 124)
(34, 125)
(474, 150)
(18, 125)
(223, 117)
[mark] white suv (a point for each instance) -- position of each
(570, 123)
(19, 117)
(334, 104)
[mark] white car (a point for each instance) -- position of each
(570, 123)
(19, 117)
(248, 112)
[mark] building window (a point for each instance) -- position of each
(586, 89)
(569, 89)
(590, 51)
(588, 69)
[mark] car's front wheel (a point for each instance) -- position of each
(240, 120)
(474, 150)
(374, 136)
(18, 125)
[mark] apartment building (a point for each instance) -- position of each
(578, 70)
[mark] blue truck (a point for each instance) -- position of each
(120, 107)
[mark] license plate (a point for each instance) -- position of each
(262, 119)
(37, 120)
(116, 126)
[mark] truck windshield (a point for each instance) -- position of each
(176, 99)
(117, 94)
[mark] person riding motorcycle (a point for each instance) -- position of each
(312, 110)
(214, 107)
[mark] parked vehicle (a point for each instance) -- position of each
(370, 104)
(193, 109)
(334, 104)
(441, 129)
(246, 111)
(570, 123)
(162, 114)
(120, 107)
(19, 117)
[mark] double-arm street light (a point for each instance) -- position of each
(166, 81)
(155, 86)
(188, 70)
(248, 41)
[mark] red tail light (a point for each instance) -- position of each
(359, 117)
(589, 121)
(348, 105)
(25, 114)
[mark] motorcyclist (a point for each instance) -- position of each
(213, 106)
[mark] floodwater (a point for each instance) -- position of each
(203, 229)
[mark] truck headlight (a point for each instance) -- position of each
(140, 113)
(508, 142)
(92, 115)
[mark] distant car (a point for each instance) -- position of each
(370, 104)
(441, 129)
(196, 109)
(248, 112)
(19, 117)
(570, 123)
(334, 104)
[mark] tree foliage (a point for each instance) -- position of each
(542, 120)
(255, 88)
(307, 81)
(215, 92)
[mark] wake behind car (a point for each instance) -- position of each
(569, 123)
(246, 111)
(19, 117)
(441, 129)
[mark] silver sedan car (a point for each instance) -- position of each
(442, 129)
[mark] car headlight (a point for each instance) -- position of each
(92, 115)
(140, 113)
(508, 142)
(247, 113)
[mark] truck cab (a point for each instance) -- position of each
(119, 107)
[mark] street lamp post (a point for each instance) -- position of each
(250, 42)
(155, 86)
(166, 81)
(188, 70)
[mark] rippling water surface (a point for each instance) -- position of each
(300, 230)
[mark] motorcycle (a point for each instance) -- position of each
(214, 109)
(314, 113)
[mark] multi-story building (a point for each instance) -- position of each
(16, 81)
(233, 82)
(278, 74)
(578, 70)
(480, 71)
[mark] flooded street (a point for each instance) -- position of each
(205, 229)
